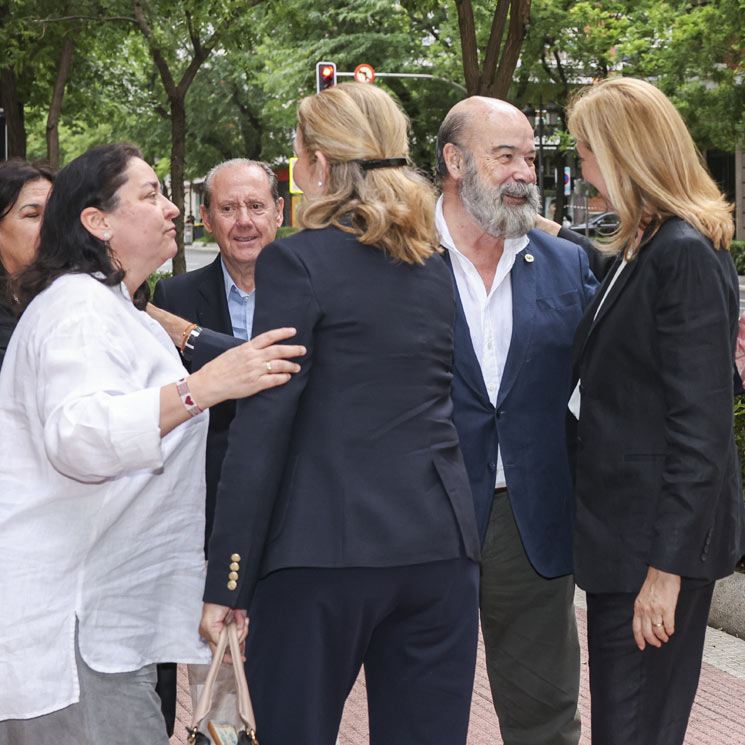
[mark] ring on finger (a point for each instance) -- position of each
(268, 366)
(658, 624)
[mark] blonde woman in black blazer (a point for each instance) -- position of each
(659, 499)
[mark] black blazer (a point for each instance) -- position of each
(199, 297)
(657, 470)
(354, 462)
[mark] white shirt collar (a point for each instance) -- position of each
(511, 245)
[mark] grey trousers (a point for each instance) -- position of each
(113, 707)
(530, 635)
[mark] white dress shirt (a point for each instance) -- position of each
(488, 312)
(100, 519)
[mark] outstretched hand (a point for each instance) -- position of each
(246, 369)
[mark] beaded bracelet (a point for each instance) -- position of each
(186, 398)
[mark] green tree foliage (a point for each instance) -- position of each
(699, 61)
(194, 82)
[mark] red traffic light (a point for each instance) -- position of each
(325, 76)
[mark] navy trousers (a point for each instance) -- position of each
(644, 698)
(414, 628)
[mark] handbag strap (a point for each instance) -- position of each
(228, 636)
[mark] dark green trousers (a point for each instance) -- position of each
(530, 635)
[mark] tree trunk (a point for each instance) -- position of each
(13, 109)
(468, 45)
(508, 59)
(55, 107)
(178, 154)
(500, 59)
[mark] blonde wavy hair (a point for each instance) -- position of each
(650, 164)
(390, 208)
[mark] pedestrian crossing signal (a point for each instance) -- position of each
(325, 76)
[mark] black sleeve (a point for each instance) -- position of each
(599, 262)
(209, 345)
(260, 435)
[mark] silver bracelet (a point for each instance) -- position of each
(190, 342)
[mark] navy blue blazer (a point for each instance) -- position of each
(354, 462)
(199, 297)
(549, 295)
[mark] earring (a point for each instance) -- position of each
(106, 236)
(320, 183)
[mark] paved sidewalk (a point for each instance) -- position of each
(718, 716)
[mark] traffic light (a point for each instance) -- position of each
(325, 76)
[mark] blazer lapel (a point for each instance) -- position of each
(523, 281)
(593, 316)
(212, 307)
(465, 360)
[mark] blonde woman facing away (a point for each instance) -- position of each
(659, 499)
(344, 521)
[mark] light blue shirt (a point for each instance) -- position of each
(240, 306)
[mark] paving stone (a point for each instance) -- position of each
(718, 716)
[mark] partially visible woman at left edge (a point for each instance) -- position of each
(24, 189)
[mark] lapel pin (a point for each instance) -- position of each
(529, 258)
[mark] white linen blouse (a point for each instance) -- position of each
(101, 520)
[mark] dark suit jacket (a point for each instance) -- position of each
(549, 295)
(354, 462)
(199, 297)
(657, 474)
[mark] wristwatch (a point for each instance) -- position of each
(191, 340)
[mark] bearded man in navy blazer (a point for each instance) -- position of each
(521, 294)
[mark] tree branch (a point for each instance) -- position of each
(55, 106)
(195, 41)
(546, 68)
(469, 50)
(160, 62)
(562, 75)
(98, 19)
(495, 42)
(519, 19)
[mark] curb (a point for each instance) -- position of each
(728, 605)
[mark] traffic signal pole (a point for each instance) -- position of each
(408, 75)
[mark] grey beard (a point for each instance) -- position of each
(483, 203)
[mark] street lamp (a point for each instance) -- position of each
(547, 120)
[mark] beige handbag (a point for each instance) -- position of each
(247, 736)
